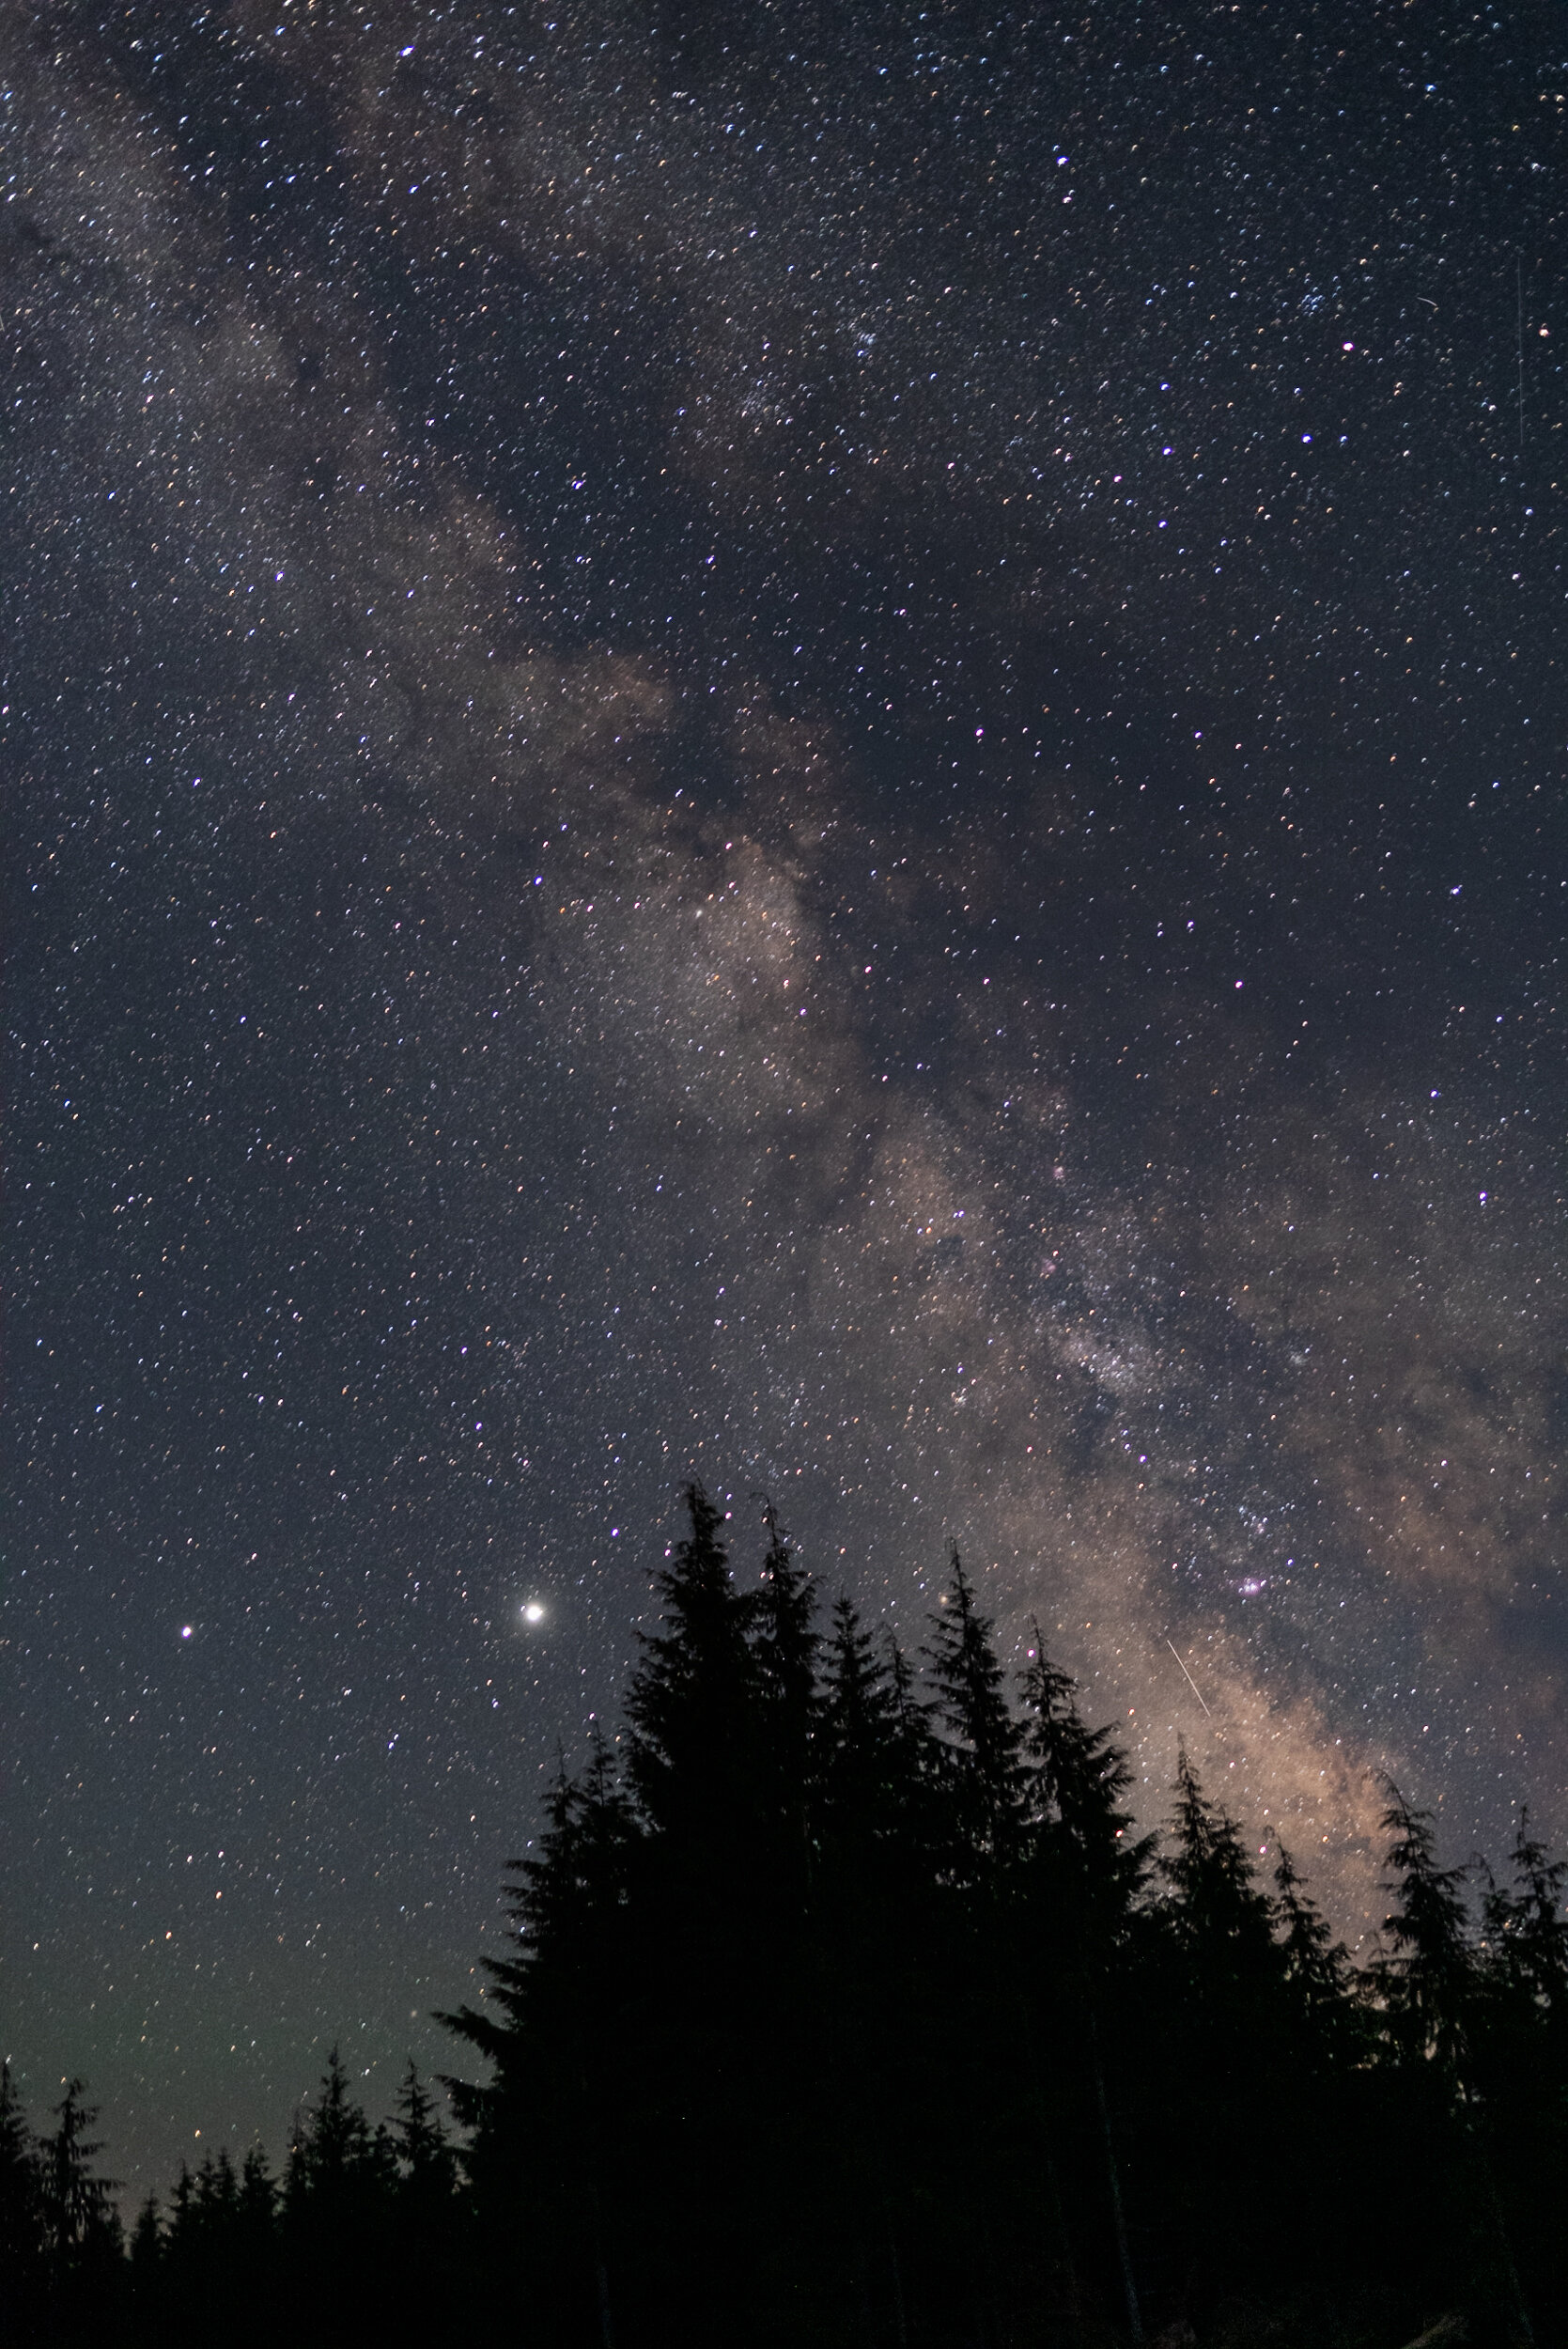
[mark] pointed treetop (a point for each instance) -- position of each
(982, 1738)
(1430, 1976)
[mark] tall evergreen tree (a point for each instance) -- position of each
(1518, 2066)
(859, 1722)
(567, 1904)
(147, 2245)
(1095, 1863)
(981, 1740)
(1430, 1978)
(1317, 1968)
(786, 1645)
(80, 2220)
(693, 1702)
(340, 2176)
(21, 2186)
(332, 2147)
(24, 2235)
(1433, 1991)
(1526, 1925)
(259, 2196)
(1220, 1914)
(1087, 1870)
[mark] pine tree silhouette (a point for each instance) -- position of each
(1220, 1915)
(1527, 1928)
(785, 1643)
(20, 2190)
(1318, 1968)
(981, 1755)
(23, 2236)
(1087, 1870)
(258, 2197)
(425, 2152)
(146, 2243)
(1429, 1980)
(332, 2149)
(859, 1717)
(695, 1700)
(78, 2209)
(1096, 1865)
(1518, 2066)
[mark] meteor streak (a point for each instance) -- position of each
(1187, 1676)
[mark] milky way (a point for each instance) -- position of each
(827, 755)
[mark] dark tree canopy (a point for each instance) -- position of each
(847, 2003)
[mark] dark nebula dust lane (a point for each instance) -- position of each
(822, 750)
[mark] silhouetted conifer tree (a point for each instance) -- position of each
(334, 2155)
(1220, 1914)
(1518, 2065)
(785, 1644)
(562, 2025)
(1095, 1864)
(80, 2221)
(425, 2152)
(1433, 1989)
(693, 1701)
(258, 2195)
(1428, 1980)
(981, 1754)
(859, 1730)
(871, 1914)
(1317, 1968)
(1087, 1869)
(23, 2232)
(1526, 1927)
(338, 2199)
(21, 2192)
(147, 2243)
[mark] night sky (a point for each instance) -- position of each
(822, 746)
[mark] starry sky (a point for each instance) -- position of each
(823, 747)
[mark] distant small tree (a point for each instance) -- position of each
(336, 2161)
(146, 2244)
(425, 2152)
(217, 2191)
(259, 2194)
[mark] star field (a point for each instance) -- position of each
(821, 748)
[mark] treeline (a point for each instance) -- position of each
(848, 2004)
(364, 2224)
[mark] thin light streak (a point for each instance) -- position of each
(1190, 1681)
